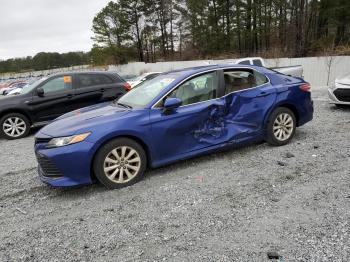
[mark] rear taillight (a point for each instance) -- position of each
(305, 87)
(127, 86)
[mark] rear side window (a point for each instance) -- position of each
(87, 80)
(237, 80)
(257, 62)
(244, 62)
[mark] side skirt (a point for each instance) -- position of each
(220, 147)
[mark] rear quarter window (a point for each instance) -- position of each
(260, 79)
(257, 62)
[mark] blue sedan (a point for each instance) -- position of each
(176, 115)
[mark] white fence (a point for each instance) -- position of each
(316, 69)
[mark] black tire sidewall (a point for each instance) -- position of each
(271, 139)
(24, 118)
(105, 150)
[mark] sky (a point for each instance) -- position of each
(28, 27)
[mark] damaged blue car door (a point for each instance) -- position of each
(249, 96)
(218, 107)
(184, 129)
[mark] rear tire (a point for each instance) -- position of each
(281, 127)
(120, 163)
(14, 126)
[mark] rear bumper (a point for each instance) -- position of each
(306, 112)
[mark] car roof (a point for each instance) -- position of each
(83, 72)
(199, 69)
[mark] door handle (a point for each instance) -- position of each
(262, 94)
(69, 96)
(102, 90)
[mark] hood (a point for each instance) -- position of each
(11, 100)
(344, 80)
(83, 120)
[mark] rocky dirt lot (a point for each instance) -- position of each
(231, 206)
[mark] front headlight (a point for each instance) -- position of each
(68, 140)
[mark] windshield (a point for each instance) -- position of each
(28, 88)
(145, 92)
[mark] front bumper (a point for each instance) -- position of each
(65, 166)
(338, 95)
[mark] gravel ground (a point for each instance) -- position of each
(231, 206)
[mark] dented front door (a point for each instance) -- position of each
(189, 128)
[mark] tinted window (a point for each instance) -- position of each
(150, 76)
(257, 62)
(94, 80)
(244, 62)
(198, 89)
(236, 80)
(58, 84)
(260, 79)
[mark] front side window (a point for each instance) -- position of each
(58, 84)
(198, 89)
(237, 80)
(31, 86)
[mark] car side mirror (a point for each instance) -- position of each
(172, 103)
(40, 92)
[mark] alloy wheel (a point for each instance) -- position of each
(122, 164)
(14, 126)
(283, 127)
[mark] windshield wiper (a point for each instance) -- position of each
(123, 105)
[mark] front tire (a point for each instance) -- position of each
(120, 163)
(14, 126)
(281, 127)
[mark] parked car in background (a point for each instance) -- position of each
(128, 77)
(18, 90)
(50, 97)
(15, 91)
(4, 84)
(296, 71)
(12, 86)
(339, 93)
(174, 116)
(142, 78)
